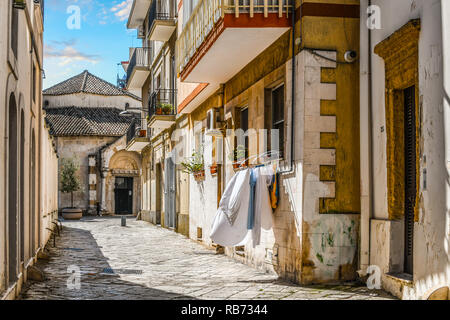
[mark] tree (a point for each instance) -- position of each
(68, 177)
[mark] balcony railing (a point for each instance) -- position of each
(163, 102)
(161, 10)
(135, 131)
(208, 12)
(140, 58)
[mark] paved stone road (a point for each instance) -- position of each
(172, 266)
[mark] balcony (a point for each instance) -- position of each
(136, 137)
(162, 108)
(139, 68)
(138, 12)
(223, 36)
(161, 20)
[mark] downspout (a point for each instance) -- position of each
(291, 166)
(366, 217)
(370, 95)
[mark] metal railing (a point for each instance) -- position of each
(162, 102)
(208, 12)
(161, 10)
(140, 58)
(135, 131)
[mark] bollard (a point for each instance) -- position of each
(123, 221)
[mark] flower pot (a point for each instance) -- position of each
(158, 111)
(142, 133)
(72, 213)
(199, 175)
(239, 165)
(213, 169)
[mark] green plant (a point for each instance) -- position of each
(238, 154)
(194, 164)
(166, 108)
(68, 178)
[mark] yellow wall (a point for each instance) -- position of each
(340, 35)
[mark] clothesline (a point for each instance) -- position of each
(258, 156)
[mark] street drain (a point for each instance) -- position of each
(121, 271)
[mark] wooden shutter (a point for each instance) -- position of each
(410, 175)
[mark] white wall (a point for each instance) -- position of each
(91, 100)
(431, 233)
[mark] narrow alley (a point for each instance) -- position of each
(143, 261)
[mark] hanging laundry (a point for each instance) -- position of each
(274, 190)
(229, 227)
(251, 207)
(243, 213)
(263, 211)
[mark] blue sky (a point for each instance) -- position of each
(101, 42)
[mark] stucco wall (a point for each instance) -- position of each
(91, 100)
(79, 148)
(431, 240)
(16, 79)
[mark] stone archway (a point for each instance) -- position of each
(124, 164)
(12, 190)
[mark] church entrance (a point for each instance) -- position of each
(124, 195)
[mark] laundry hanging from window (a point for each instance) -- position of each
(241, 216)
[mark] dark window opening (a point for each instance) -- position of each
(14, 30)
(410, 174)
(277, 122)
(33, 79)
(245, 127)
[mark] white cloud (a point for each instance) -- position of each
(67, 54)
(122, 10)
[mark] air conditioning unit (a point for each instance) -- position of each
(141, 32)
(213, 123)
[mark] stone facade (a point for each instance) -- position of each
(98, 148)
(28, 171)
(420, 30)
(342, 201)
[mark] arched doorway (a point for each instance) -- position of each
(33, 195)
(12, 190)
(122, 183)
(21, 187)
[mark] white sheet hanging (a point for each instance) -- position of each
(263, 209)
(229, 227)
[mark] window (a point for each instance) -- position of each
(277, 103)
(14, 30)
(33, 79)
(244, 127)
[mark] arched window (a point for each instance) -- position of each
(12, 190)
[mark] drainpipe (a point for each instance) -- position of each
(291, 166)
(366, 215)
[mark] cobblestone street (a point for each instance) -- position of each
(150, 262)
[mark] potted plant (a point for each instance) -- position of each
(213, 169)
(195, 166)
(167, 108)
(70, 184)
(237, 157)
(159, 109)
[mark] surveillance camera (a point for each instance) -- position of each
(351, 56)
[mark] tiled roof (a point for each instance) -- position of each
(86, 82)
(83, 121)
